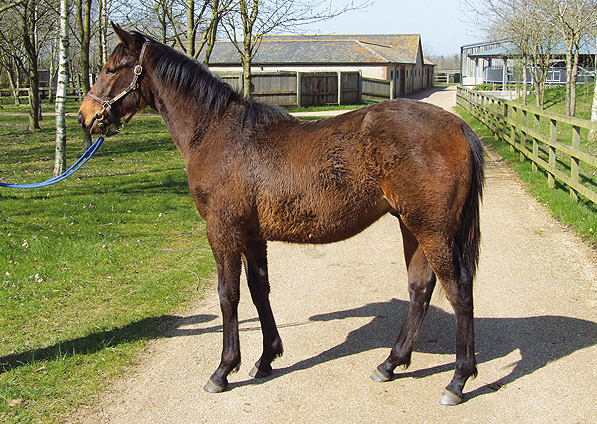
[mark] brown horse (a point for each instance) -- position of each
(258, 174)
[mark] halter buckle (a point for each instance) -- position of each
(138, 70)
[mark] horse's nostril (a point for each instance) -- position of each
(80, 117)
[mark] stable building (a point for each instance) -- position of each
(499, 62)
(391, 57)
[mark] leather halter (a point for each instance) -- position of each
(107, 104)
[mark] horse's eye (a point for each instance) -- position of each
(110, 71)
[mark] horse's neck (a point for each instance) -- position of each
(184, 118)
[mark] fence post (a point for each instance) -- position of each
(360, 86)
(551, 183)
(392, 89)
(513, 128)
(339, 88)
(299, 94)
(535, 142)
(523, 136)
(574, 162)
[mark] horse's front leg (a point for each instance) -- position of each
(255, 261)
(227, 255)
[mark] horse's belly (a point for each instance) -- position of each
(296, 221)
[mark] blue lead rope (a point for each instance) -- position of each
(70, 171)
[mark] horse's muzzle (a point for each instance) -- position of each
(98, 123)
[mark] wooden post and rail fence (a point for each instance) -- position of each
(552, 142)
(300, 89)
(304, 89)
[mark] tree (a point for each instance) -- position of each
(574, 20)
(219, 9)
(593, 134)
(520, 21)
(28, 22)
(60, 156)
(257, 18)
(84, 27)
(12, 55)
(103, 13)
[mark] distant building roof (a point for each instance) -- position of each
(328, 49)
(509, 49)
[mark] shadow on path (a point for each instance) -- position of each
(540, 339)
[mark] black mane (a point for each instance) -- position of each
(186, 75)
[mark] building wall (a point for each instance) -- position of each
(473, 70)
(367, 71)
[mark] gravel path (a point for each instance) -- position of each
(339, 307)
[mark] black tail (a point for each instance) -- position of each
(469, 237)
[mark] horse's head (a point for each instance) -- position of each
(117, 93)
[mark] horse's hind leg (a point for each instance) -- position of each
(255, 262)
(421, 282)
(457, 282)
(459, 291)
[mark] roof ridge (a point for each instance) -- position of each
(373, 44)
(364, 44)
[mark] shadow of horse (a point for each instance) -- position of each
(540, 340)
(163, 326)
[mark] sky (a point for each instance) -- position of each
(441, 23)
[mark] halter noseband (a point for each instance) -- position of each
(107, 104)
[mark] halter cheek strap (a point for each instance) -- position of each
(107, 104)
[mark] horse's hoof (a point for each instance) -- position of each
(450, 399)
(258, 373)
(378, 376)
(212, 387)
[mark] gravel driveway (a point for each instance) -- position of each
(340, 306)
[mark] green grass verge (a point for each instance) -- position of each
(323, 108)
(555, 100)
(581, 215)
(7, 105)
(90, 268)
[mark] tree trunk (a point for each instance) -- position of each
(52, 70)
(210, 33)
(573, 79)
(29, 20)
(191, 29)
(525, 82)
(15, 84)
(248, 17)
(568, 79)
(247, 78)
(84, 20)
(593, 135)
(60, 156)
(103, 31)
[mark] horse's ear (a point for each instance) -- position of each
(125, 37)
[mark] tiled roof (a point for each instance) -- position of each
(328, 49)
(507, 48)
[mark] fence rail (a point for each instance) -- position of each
(551, 141)
(377, 89)
(302, 88)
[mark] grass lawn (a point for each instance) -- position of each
(90, 268)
